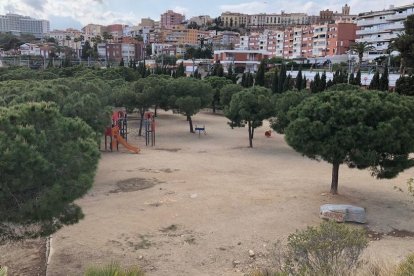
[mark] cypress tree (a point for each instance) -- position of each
(282, 77)
(299, 80)
(287, 85)
(351, 79)
(322, 83)
(260, 75)
(384, 81)
(329, 84)
(316, 84)
(304, 82)
(275, 82)
(358, 78)
(375, 82)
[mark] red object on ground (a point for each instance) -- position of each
(268, 133)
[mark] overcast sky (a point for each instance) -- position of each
(77, 13)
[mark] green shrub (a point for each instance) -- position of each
(329, 249)
(406, 268)
(113, 269)
(3, 271)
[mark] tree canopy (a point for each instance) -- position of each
(249, 107)
(46, 162)
(361, 129)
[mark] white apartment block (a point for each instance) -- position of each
(18, 24)
(320, 42)
(297, 42)
(380, 27)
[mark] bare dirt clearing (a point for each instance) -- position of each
(196, 205)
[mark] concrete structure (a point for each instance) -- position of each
(233, 19)
(201, 20)
(302, 41)
(116, 30)
(18, 24)
(147, 22)
(247, 59)
(92, 30)
(379, 27)
(114, 52)
(170, 19)
(29, 49)
(66, 37)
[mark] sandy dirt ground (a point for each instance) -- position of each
(196, 205)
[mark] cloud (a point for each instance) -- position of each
(36, 4)
(249, 7)
(181, 10)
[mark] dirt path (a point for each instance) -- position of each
(196, 206)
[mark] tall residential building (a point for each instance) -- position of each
(201, 20)
(169, 19)
(92, 30)
(18, 24)
(234, 19)
(380, 27)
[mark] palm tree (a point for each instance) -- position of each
(360, 48)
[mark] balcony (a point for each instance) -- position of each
(396, 26)
(370, 22)
(399, 16)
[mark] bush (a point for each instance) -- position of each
(3, 271)
(406, 268)
(113, 269)
(330, 249)
(344, 87)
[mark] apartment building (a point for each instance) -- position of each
(114, 52)
(66, 37)
(307, 42)
(201, 20)
(116, 30)
(247, 59)
(380, 27)
(169, 19)
(302, 41)
(18, 24)
(234, 20)
(92, 30)
(340, 38)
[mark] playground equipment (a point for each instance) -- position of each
(149, 123)
(118, 133)
(200, 129)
